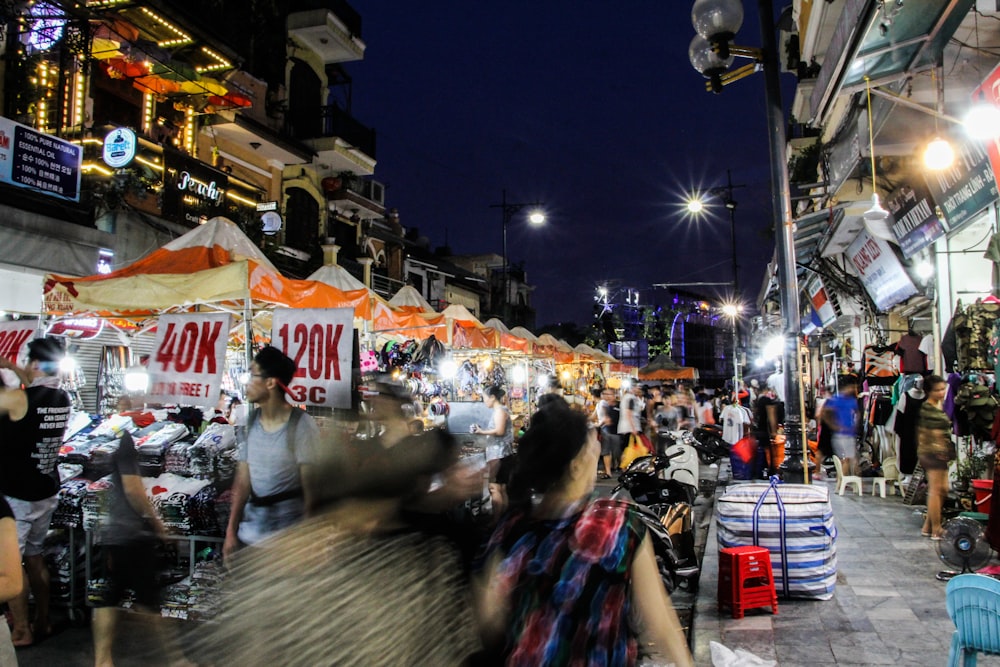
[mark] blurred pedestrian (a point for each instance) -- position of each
(500, 442)
(33, 421)
(607, 423)
(128, 538)
(360, 583)
(935, 450)
(842, 414)
(11, 577)
(567, 581)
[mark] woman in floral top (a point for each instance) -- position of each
(567, 581)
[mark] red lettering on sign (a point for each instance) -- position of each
(11, 342)
(193, 347)
(332, 355)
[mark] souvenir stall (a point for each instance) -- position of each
(188, 299)
(664, 369)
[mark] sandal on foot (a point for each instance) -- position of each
(925, 533)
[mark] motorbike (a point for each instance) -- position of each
(664, 506)
(709, 443)
(649, 482)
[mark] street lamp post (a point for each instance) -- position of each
(717, 22)
(697, 205)
(508, 211)
(732, 311)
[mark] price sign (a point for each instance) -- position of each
(186, 366)
(13, 338)
(319, 341)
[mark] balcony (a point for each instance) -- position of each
(355, 197)
(339, 140)
(332, 34)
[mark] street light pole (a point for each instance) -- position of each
(708, 17)
(508, 211)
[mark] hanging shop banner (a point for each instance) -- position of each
(187, 362)
(319, 341)
(916, 225)
(14, 336)
(880, 271)
(965, 188)
(821, 303)
(40, 162)
(80, 327)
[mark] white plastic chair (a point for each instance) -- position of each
(890, 475)
(843, 481)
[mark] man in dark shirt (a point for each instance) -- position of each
(128, 536)
(769, 413)
(33, 421)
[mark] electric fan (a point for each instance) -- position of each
(962, 545)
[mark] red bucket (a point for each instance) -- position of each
(984, 494)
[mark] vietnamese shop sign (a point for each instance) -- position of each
(965, 188)
(880, 271)
(186, 365)
(916, 225)
(38, 161)
(320, 342)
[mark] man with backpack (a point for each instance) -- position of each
(273, 487)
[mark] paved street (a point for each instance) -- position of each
(887, 609)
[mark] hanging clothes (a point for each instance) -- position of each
(912, 358)
(881, 368)
(972, 333)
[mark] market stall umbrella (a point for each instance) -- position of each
(156, 85)
(174, 70)
(204, 85)
(214, 263)
(408, 299)
(665, 368)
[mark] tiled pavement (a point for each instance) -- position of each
(887, 609)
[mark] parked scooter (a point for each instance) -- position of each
(648, 483)
(664, 505)
(709, 443)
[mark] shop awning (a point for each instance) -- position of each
(810, 231)
(214, 263)
(883, 41)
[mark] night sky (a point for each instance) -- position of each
(589, 106)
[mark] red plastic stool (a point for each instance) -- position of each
(745, 580)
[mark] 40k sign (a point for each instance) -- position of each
(319, 341)
(186, 365)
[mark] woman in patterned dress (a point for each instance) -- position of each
(566, 580)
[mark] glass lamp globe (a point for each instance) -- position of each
(939, 154)
(717, 18)
(704, 59)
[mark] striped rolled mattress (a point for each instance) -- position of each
(795, 523)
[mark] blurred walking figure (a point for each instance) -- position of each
(607, 422)
(11, 577)
(362, 582)
(935, 450)
(566, 581)
(128, 538)
(842, 414)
